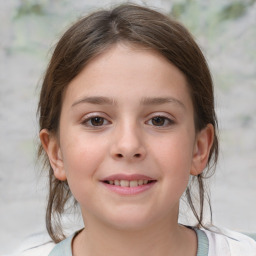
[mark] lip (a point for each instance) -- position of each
(127, 177)
(126, 191)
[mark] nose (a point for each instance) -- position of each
(128, 144)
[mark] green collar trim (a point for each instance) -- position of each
(202, 243)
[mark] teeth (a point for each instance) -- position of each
(124, 183)
(133, 183)
(140, 182)
(127, 183)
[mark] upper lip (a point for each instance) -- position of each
(129, 177)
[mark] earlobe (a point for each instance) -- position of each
(51, 147)
(202, 148)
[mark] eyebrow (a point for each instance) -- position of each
(100, 100)
(97, 100)
(161, 100)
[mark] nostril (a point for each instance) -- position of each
(137, 155)
(119, 155)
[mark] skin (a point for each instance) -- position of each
(129, 141)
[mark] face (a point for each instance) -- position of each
(127, 143)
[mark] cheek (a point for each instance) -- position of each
(175, 152)
(174, 157)
(82, 158)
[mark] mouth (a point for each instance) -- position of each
(128, 183)
(131, 184)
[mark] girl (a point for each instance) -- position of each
(127, 122)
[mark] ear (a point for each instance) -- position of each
(51, 147)
(202, 147)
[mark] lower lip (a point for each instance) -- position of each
(129, 190)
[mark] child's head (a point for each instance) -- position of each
(138, 29)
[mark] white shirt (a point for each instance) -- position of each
(221, 242)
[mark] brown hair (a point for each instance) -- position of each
(93, 35)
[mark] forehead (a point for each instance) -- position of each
(125, 69)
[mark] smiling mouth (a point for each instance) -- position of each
(128, 183)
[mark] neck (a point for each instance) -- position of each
(161, 239)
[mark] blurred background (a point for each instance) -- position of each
(226, 32)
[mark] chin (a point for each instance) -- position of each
(130, 221)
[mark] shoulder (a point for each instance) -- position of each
(64, 248)
(226, 242)
(42, 245)
(38, 244)
(40, 250)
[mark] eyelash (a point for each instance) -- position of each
(91, 118)
(166, 119)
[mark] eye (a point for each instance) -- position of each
(95, 121)
(160, 121)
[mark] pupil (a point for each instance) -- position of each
(97, 121)
(158, 121)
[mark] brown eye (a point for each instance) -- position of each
(97, 121)
(158, 121)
